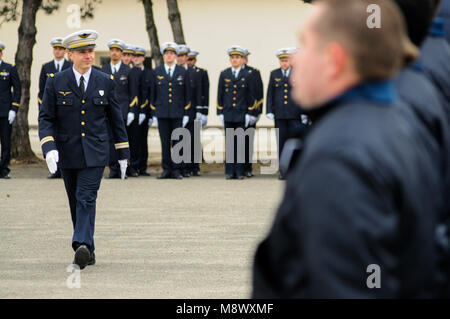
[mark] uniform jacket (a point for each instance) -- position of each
(171, 97)
(279, 100)
(9, 78)
(76, 125)
(236, 96)
(49, 70)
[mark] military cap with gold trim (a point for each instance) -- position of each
(283, 53)
(57, 42)
(193, 54)
(116, 43)
(183, 49)
(2, 46)
(129, 49)
(81, 40)
(139, 51)
(236, 50)
(169, 46)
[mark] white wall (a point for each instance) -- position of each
(262, 26)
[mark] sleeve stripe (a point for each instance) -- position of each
(144, 105)
(187, 106)
(134, 102)
(152, 107)
(15, 104)
(47, 139)
(121, 145)
(39, 101)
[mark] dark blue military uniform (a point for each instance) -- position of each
(145, 87)
(49, 70)
(235, 98)
(127, 86)
(287, 113)
(77, 126)
(255, 75)
(205, 91)
(170, 101)
(9, 79)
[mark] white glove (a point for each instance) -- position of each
(185, 120)
(52, 158)
(198, 116)
(222, 119)
(123, 168)
(304, 119)
(247, 120)
(150, 122)
(141, 118)
(11, 116)
(253, 119)
(204, 120)
(155, 120)
(130, 118)
(270, 116)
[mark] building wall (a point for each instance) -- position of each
(210, 27)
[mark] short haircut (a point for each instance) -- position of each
(378, 53)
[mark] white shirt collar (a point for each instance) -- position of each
(236, 70)
(172, 68)
(86, 77)
(117, 66)
(1, 62)
(288, 71)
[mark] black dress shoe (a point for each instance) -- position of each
(144, 173)
(82, 256)
(114, 175)
(196, 173)
(248, 174)
(91, 261)
(240, 177)
(186, 174)
(164, 175)
(131, 172)
(229, 176)
(177, 175)
(5, 176)
(281, 177)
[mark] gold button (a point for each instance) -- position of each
(170, 95)
(170, 101)
(234, 99)
(235, 86)
(83, 101)
(82, 123)
(234, 104)
(285, 84)
(64, 102)
(285, 96)
(82, 134)
(285, 91)
(170, 83)
(170, 89)
(285, 102)
(82, 112)
(234, 92)
(101, 102)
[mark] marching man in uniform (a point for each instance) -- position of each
(49, 69)
(76, 106)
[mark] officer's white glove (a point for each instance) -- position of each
(123, 168)
(198, 116)
(155, 120)
(222, 119)
(270, 116)
(141, 118)
(52, 158)
(185, 120)
(304, 119)
(150, 122)
(204, 120)
(11, 116)
(130, 118)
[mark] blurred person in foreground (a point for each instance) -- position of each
(358, 197)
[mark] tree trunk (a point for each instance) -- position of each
(175, 21)
(152, 32)
(21, 147)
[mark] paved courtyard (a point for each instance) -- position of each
(193, 238)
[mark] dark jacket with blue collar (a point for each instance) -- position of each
(76, 125)
(127, 88)
(48, 70)
(171, 96)
(236, 96)
(435, 57)
(9, 79)
(279, 100)
(359, 195)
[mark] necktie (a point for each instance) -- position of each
(58, 68)
(82, 85)
(234, 74)
(170, 75)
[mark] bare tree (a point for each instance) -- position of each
(152, 32)
(9, 11)
(175, 21)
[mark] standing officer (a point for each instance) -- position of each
(9, 105)
(236, 103)
(255, 75)
(170, 102)
(288, 117)
(196, 97)
(49, 69)
(127, 97)
(77, 106)
(202, 108)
